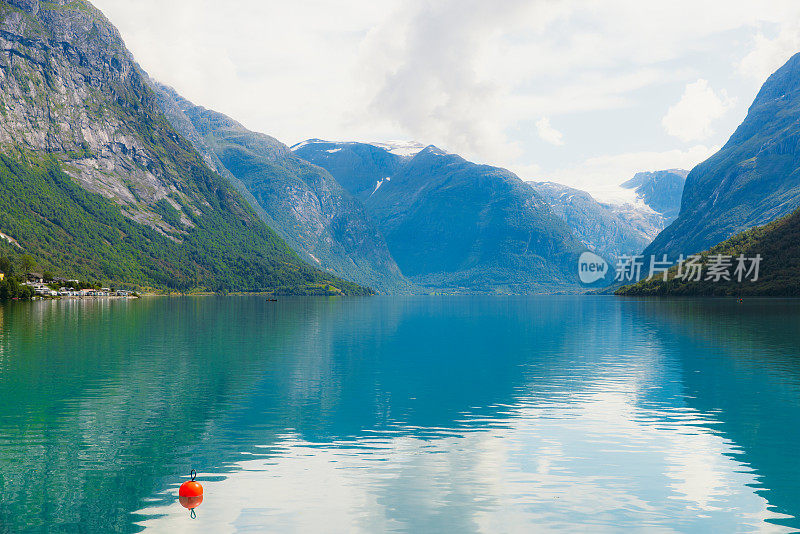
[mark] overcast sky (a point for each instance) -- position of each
(584, 92)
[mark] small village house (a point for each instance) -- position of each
(43, 291)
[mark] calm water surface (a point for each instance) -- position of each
(424, 414)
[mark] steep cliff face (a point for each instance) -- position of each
(72, 100)
(753, 180)
(302, 202)
(71, 88)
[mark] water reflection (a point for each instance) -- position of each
(419, 414)
(744, 367)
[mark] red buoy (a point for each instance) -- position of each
(190, 502)
(190, 494)
(190, 488)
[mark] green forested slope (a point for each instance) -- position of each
(778, 243)
(74, 233)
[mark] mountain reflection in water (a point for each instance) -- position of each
(414, 414)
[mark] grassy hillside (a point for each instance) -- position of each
(778, 243)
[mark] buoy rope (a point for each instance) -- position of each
(192, 514)
(193, 474)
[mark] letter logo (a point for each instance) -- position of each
(591, 267)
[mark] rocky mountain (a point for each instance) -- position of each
(600, 227)
(617, 229)
(656, 203)
(454, 225)
(303, 203)
(752, 180)
(660, 190)
(96, 183)
(778, 244)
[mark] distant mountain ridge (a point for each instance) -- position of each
(752, 180)
(657, 201)
(358, 167)
(623, 229)
(398, 148)
(661, 190)
(454, 225)
(300, 201)
(597, 225)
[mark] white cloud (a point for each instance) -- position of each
(468, 75)
(547, 133)
(425, 63)
(283, 68)
(767, 55)
(691, 118)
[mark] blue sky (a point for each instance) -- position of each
(584, 92)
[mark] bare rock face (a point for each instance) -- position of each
(69, 87)
(31, 6)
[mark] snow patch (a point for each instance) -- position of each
(379, 184)
(301, 144)
(644, 218)
(398, 148)
(401, 148)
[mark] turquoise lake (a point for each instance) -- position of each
(418, 414)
